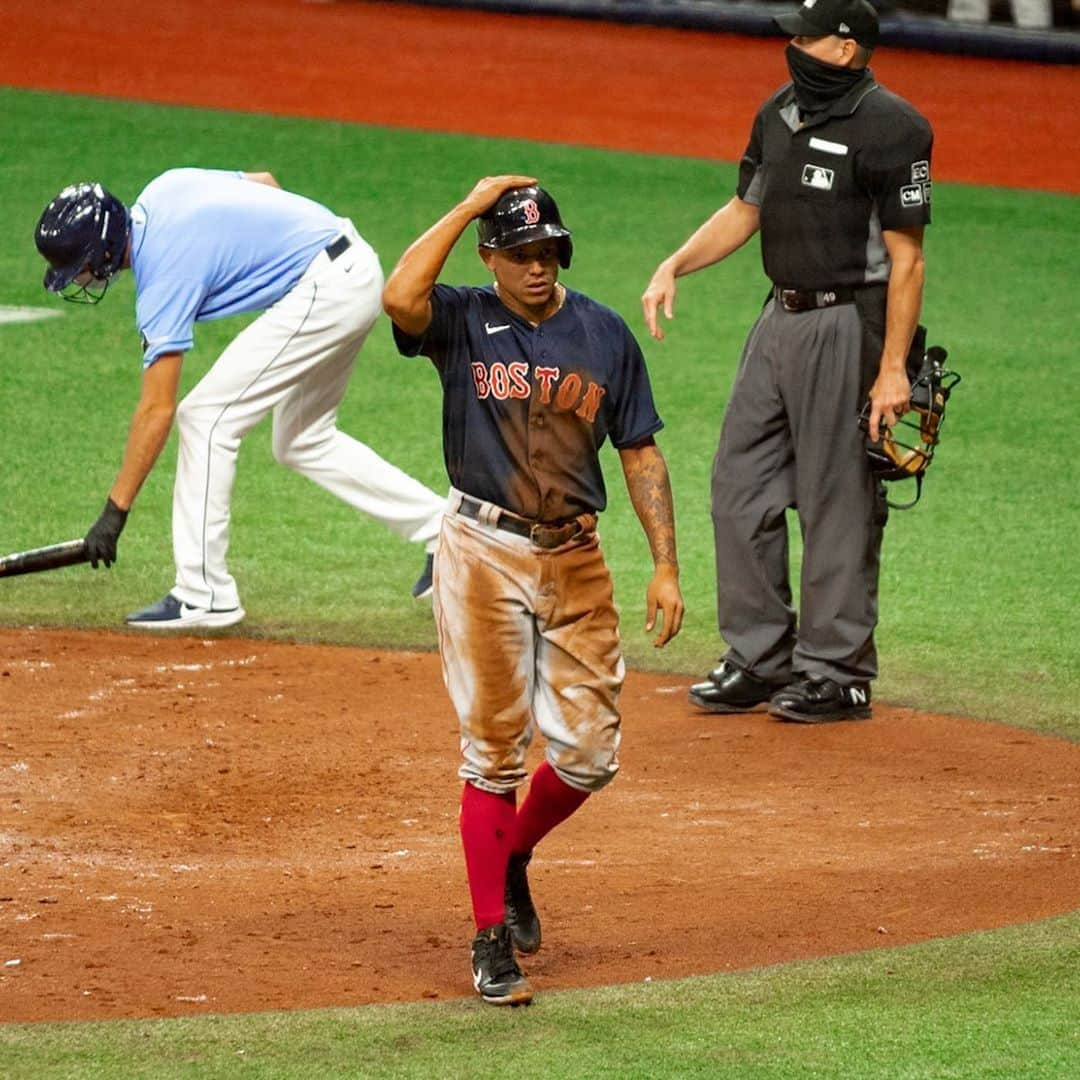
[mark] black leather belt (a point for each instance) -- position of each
(542, 534)
(808, 299)
(338, 247)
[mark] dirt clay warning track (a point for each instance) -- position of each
(225, 825)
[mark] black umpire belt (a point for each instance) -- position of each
(338, 247)
(809, 299)
(542, 534)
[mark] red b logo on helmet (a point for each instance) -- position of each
(531, 211)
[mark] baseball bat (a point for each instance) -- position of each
(43, 558)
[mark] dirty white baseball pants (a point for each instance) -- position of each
(529, 639)
(294, 361)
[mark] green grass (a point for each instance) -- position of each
(978, 583)
(978, 586)
(1002, 1004)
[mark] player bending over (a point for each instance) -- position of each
(204, 244)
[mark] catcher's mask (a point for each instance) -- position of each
(520, 216)
(893, 458)
(84, 230)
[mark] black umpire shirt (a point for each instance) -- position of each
(827, 187)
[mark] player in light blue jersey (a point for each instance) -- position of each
(205, 244)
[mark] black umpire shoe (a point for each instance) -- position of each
(816, 699)
(730, 689)
(496, 975)
(521, 916)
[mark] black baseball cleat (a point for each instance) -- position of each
(730, 689)
(496, 975)
(521, 916)
(425, 583)
(816, 699)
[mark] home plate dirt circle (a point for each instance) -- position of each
(226, 825)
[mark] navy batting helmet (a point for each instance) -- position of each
(522, 215)
(83, 228)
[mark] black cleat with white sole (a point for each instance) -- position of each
(521, 915)
(496, 975)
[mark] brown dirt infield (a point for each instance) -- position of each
(222, 825)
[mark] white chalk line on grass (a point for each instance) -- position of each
(9, 314)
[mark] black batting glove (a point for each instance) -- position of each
(103, 534)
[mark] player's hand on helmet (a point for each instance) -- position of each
(663, 598)
(890, 398)
(101, 539)
(660, 294)
(487, 191)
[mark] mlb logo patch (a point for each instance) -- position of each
(920, 171)
(911, 195)
(926, 191)
(817, 176)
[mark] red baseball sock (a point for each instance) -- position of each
(549, 802)
(487, 827)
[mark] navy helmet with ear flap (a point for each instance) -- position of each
(520, 216)
(83, 228)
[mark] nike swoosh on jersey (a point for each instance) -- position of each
(496, 329)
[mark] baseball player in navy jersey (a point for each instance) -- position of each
(535, 377)
(205, 244)
(836, 177)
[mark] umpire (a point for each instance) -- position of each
(837, 178)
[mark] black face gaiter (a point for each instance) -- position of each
(817, 84)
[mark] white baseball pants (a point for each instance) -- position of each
(294, 361)
(529, 640)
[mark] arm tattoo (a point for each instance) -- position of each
(650, 492)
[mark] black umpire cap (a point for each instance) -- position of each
(854, 19)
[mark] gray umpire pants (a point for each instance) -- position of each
(790, 439)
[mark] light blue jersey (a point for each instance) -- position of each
(206, 244)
